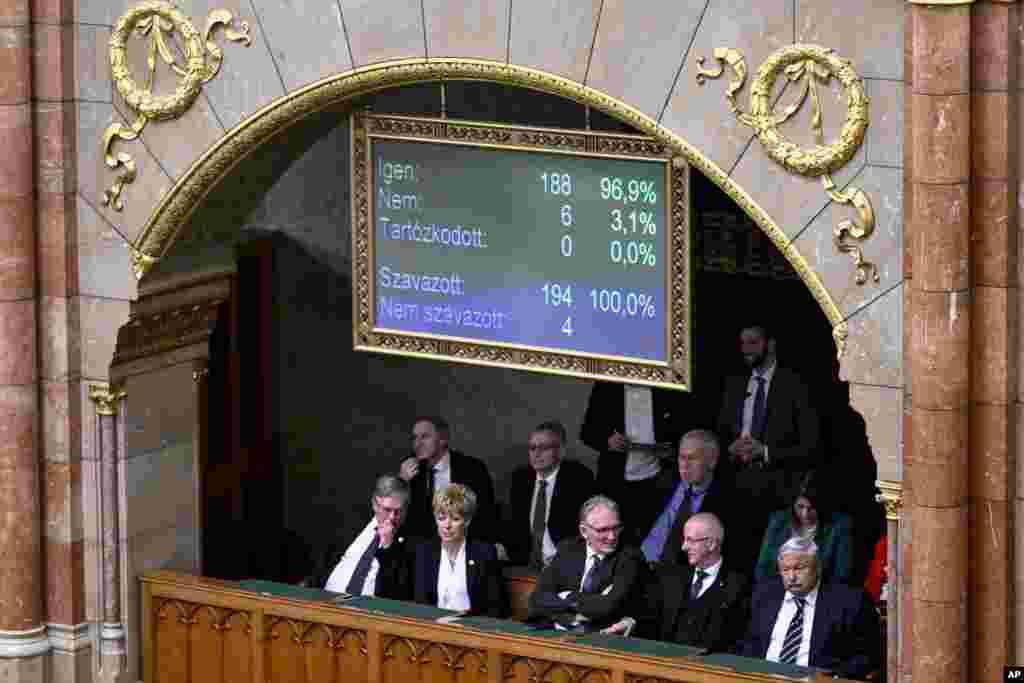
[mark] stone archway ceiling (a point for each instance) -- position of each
(171, 214)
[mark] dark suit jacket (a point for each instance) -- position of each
(715, 621)
(483, 577)
(792, 431)
(845, 636)
(718, 500)
(394, 577)
(674, 414)
(574, 484)
(465, 470)
(625, 572)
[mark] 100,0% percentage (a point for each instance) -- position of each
(628, 191)
(625, 304)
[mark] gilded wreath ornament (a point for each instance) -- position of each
(811, 65)
(172, 37)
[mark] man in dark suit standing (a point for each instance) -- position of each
(692, 488)
(592, 582)
(701, 603)
(773, 435)
(634, 428)
(800, 620)
(545, 498)
(378, 561)
(432, 467)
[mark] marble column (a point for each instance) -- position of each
(108, 446)
(22, 632)
(993, 383)
(940, 320)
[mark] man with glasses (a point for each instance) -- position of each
(545, 498)
(702, 603)
(377, 562)
(593, 581)
(695, 488)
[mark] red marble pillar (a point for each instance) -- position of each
(992, 462)
(21, 618)
(940, 320)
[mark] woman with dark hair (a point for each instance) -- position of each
(452, 572)
(810, 517)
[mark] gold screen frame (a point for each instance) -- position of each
(675, 373)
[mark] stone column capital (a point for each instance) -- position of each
(105, 398)
(891, 496)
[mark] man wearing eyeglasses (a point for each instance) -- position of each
(545, 498)
(593, 581)
(702, 603)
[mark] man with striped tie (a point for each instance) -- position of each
(797, 619)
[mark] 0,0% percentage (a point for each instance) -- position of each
(623, 304)
(642, 221)
(628, 191)
(631, 253)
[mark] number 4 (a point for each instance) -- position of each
(567, 326)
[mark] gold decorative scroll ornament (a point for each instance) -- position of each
(809, 64)
(200, 59)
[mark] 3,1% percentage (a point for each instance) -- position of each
(623, 304)
(632, 253)
(629, 191)
(642, 221)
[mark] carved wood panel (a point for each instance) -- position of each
(530, 670)
(201, 642)
(315, 653)
(405, 660)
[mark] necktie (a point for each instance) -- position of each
(794, 635)
(757, 419)
(355, 584)
(590, 580)
(540, 512)
(674, 544)
(698, 582)
(430, 493)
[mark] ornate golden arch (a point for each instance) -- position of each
(173, 211)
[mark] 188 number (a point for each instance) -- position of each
(557, 183)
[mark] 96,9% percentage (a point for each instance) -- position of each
(628, 191)
(630, 253)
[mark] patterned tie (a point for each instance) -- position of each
(757, 419)
(590, 580)
(698, 581)
(794, 634)
(540, 513)
(355, 584)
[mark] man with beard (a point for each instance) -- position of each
(772, 435)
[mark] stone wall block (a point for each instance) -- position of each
(941, 42)
(941, 220)
(940, 324)
(942, 136)
(992, 445)
(939, 457)
(940, 554)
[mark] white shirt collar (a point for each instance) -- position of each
(809, 598)
(550, 479)
(711, 572)
(591, 553)
(444, 463)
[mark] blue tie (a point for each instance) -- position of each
(590, 580)
(794, 635)
(654, 545)
(757, 419)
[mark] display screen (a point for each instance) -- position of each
(532, 248)
(508, 246)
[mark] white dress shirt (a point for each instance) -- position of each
(548, 545)
(342, 573)
(452, 586)
(748, 402)
(442, 473)
(786, 614)
(710, 574)
(639, 408)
